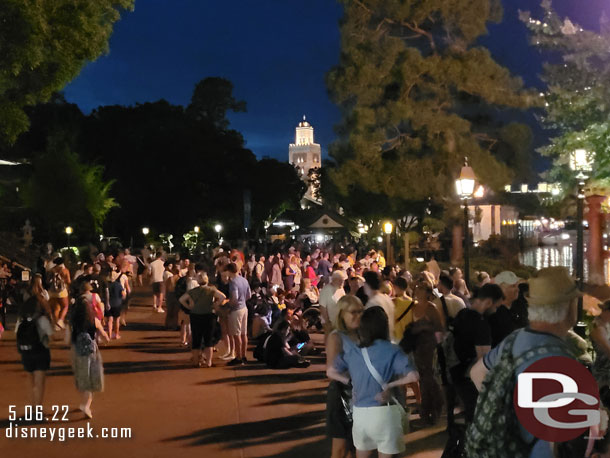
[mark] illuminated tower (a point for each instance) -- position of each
(304, 153)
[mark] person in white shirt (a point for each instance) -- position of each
(372, 283)
(157, 269)
(329, 295)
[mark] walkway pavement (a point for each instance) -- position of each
(174, 409)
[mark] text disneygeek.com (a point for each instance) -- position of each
(63, 433)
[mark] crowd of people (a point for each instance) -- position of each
(387, 331)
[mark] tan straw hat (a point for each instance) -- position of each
(553, 286)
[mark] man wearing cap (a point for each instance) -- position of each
(329, 295)
(501, 321)
(553, 311)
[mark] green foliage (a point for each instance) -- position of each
(409, 78)
(63, 190)
(211, 100)
(577, 99)
(43, 46)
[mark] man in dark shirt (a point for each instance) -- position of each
(472, 340)
(324, 268)
(501, 321)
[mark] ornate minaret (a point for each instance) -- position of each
(304, 153)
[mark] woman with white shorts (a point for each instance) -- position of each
(377, 420)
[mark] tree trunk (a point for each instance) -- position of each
(595, 244)
(405, 238)
(457, 252)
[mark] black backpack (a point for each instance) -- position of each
(28, 339)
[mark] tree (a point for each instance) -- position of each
(410, 79)
(211, 100)
(43, 46)
(577, 97)
(62, 190)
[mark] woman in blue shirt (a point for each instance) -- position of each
(377, 421)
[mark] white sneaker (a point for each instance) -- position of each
(61, 324)
(228, 356)
(161, 310)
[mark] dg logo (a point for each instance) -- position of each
(556, 399)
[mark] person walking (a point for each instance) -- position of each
(157, 270)
(33, 331)
(86, 358)
(59, 283)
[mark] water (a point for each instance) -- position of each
(561, 255)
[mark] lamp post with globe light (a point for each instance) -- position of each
(581, 162)
(218, 229)
(387, 228)
(465, 189)
(69, 231)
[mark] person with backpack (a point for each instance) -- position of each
(59, 282)
(449, 305)
(116, 295)
(33, 331)
(86, 358)
(553, 312)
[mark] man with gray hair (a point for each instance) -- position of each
(329, 296)
(553, 313)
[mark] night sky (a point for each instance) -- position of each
(276, 53)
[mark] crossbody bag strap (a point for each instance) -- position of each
(403, 314)
(377, 377)
(371, 368)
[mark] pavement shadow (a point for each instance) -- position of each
(318, 447)
(269, 378)
(250, 434)
(128, 367)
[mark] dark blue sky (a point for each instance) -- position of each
(276, 53)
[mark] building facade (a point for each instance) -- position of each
(304, 153)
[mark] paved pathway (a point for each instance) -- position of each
(173, 409)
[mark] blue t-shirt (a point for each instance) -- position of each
(528, 339)
(387, 358)
(239, 290)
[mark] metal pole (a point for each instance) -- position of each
(387, 254)
(580, 327)
(466, 246)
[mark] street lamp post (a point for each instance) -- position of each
(387, 228)
(69, 231)
(218, 229)
(581, 161)
(465, 188)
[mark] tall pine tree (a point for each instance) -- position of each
(411, 81)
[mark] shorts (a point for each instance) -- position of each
(39, 360)
(378, 428)
(237, 322)
(157, 287)
(337, 424)
(113, 312)
(202, 330)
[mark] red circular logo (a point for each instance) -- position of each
(556, 399)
